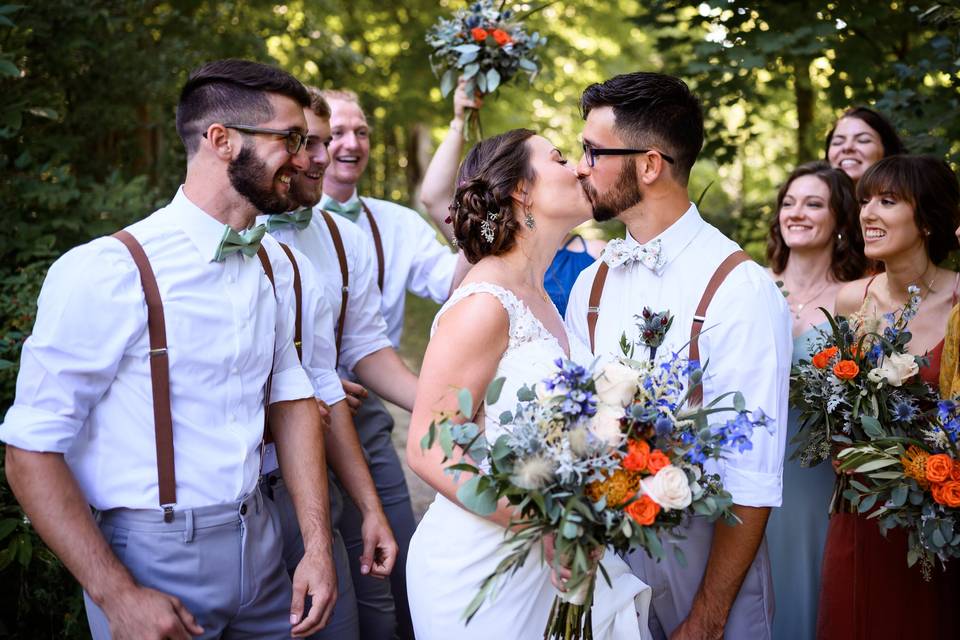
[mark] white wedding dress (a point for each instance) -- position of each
(453, 550)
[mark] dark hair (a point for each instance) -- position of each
(483, 202)
(889, 139)
(318, 104)
(847, 261)
(231, 91)
(930, 186)
(652, 110)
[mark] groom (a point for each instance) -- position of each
(642, 135)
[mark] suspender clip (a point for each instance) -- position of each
(345, 289)
(168, 513)
(593, 309)
(297, 343)
(700, 319)
(158, 352)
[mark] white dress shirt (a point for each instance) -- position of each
(746, 341)
(415, 260)
(364, 328)
(84, 387)
(318, 346)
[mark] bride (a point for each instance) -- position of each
(517, 200)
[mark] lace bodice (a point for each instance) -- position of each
(531, 349)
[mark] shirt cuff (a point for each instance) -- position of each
(327, 385)
(753, 488)
(349, 357)
(38, 430)
(290, 384)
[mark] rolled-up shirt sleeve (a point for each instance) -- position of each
(365, 330)
(290, 381)
(90, 311)
(746, 346)
(433, 264)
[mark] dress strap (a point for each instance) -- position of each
(866, 290)
(510, 302)
(956, 289)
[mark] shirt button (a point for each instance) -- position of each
(243, 509)
(235, 370)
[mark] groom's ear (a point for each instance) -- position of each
(650, 166)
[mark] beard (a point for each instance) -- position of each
(624, 194)
(304, 193)
(247, 174)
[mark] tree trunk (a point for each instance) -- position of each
(805, 98)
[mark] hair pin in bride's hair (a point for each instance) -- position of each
(487, 230)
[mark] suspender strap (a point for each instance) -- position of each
(159, 374)
(268, 269)
(377, 243)
(728, 265)
(344, 275)
(593, 311)
(298, 300)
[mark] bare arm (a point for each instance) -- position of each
(731, 555)
(299, 436)
(456, 359)
(346, 460)
(57, 508)
(386, 375)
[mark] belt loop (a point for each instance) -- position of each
(258, 500)
(188, 526)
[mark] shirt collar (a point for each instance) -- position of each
(325, 199)
(675, 238)
(203, 230)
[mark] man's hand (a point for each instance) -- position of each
(355, 395)
(324, 413)
(379, 547)
(140, 613)
(315, 577)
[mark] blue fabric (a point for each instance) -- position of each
(797, 531)
(563, 272)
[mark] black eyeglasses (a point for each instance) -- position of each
(591, 153)
(295, 140)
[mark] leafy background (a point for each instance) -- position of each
(87, 142)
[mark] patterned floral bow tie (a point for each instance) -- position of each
(350, 210)
(299, 220)
(246, 242)
(619, 253)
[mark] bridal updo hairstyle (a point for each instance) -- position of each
(931, 188)
(483, 201)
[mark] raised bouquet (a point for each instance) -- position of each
(611, 459)
(487, 45)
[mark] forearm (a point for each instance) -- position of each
(384, 373)
(58, 511)
(437, 189)
(731, 554)
(299, 437)
(345, 457)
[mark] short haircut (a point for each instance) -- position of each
(652, 110)
(318, 104)
(889, 139)
(232, 91)
(930, 186)
(847, 261)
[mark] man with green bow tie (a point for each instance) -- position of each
(144, 389)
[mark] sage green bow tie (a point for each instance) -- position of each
(246, 242)
(350, 211)
(299, 220)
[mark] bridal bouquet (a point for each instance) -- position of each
(916, 482)
(594, 460)
(484, 43)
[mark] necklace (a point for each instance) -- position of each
(800, 305)
(918, 283)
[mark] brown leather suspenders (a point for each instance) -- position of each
(298, 303)
(160, 369)
(728, 265)
(377, 243)
(344, 275)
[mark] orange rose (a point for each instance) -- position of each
(822, 359)
(846, 369)
(939, 467)
(937, 492)
(644, 510)
(950, 494)
(501, 36)
(658, 460)
(479, 34)
(955, 472)
(638, 453)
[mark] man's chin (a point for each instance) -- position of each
(603, 214)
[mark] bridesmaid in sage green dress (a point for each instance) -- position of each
(815, 245)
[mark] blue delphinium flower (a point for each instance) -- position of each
(947, 411)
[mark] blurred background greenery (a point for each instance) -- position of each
(87, 140)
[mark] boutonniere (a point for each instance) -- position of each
(653, 326)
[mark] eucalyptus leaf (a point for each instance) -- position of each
(445, 436)
(493, 80)
(871, 426)
(899, 495)
(471, 70)
(476, 497)
(739, 403)
(494, 389)
(465, 400)
(448, 82)
(867, 503)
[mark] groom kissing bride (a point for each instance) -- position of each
(515, 202)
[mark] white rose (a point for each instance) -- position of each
(605, 424)
(669, 488)
(616, 384)
(895, 369)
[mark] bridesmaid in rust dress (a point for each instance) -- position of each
(910, 206)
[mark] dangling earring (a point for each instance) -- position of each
(839, 237)
(528, 219)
